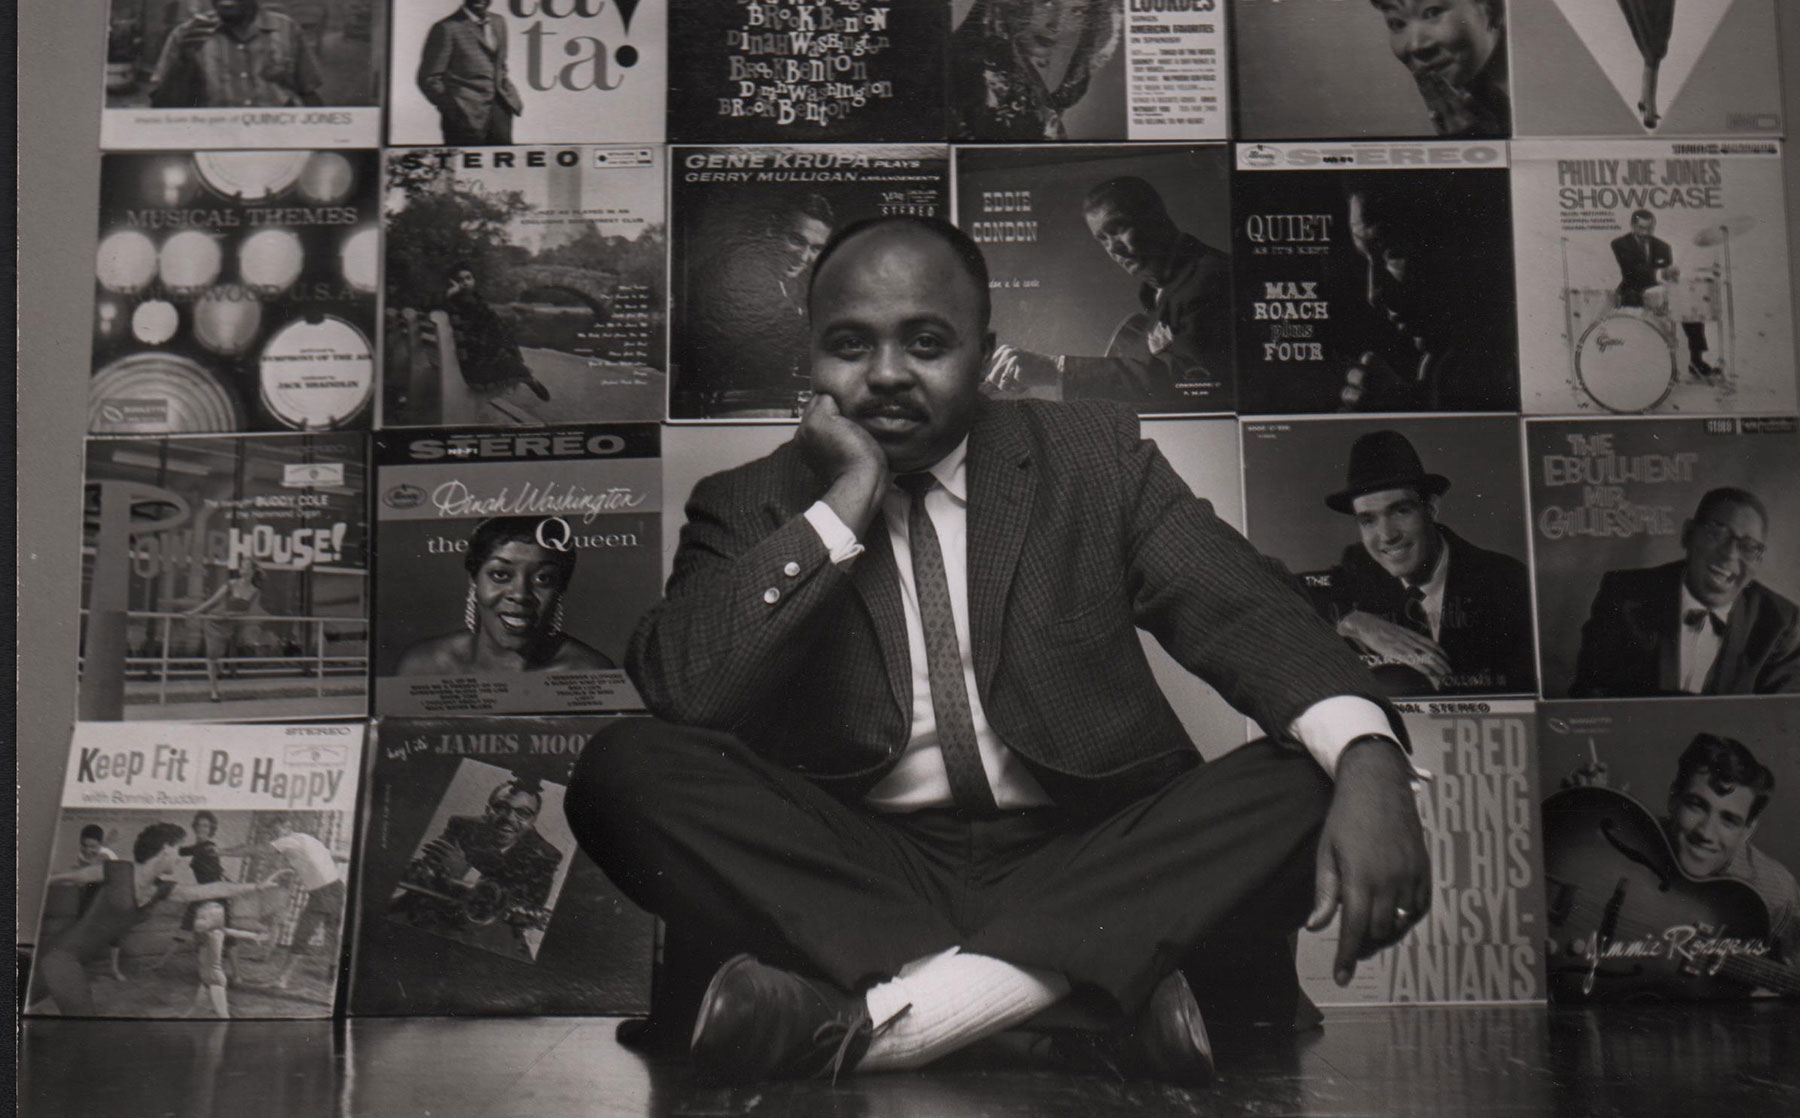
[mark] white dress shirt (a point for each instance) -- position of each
(1433, 589)
(920, 780)
(1699, 646)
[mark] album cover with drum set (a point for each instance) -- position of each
(512, 566)
(1028, 72)
(524, 286)
(189, 74)
(1482, 941)
(199, 871)
(1646, 68)
(225, 578)
(473, 896)
(1109, 269)
(478, 72)
(746, 224)
(1408, 535)
(1670, 850)
(1349, 69)
(820, 72)
(235, 291)
(1666, 555)
(1653, 277)
(1374, 277)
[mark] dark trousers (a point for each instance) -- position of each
(735, 852)
(459, 132)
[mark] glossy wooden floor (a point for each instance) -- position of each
(1740, 1061)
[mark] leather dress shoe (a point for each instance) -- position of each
(759, 1022)
(1167, 1041)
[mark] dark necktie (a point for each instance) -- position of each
(1692, 619)
(1416, 618)
(943, 660)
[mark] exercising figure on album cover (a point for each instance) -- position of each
(1183, 335)
(1429, 609)
(520, 568)
(1455, 51)
(495, 869)
(236, 55)
(1001, 57)
(486, 350)
(93, 852)
(1448, 343)
(1646, 263)
(317, 875)
(129, 892)
(1701, 625)
(1599, 844)
(908, 755)
(462, 72)
(233, 604)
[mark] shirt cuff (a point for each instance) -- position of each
(1328, 727)
(837, 537)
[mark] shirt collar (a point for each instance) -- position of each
(952, 471)
(1689, 603)
(1440, 569)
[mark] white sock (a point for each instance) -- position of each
(951, 1000)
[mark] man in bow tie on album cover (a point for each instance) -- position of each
(1700, 625)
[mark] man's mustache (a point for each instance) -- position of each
(886, 407)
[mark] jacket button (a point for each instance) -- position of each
(792, 570)
(771, 595)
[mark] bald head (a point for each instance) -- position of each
(899, 339)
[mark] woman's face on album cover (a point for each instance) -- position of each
(1448, 39)
(517, 588)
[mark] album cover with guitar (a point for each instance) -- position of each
(474, 896)
(1110, 271)
(1670, 844)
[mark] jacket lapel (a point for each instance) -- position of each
(877, 579)
(1722, 680)
(874, 574)
(1001, 487)
(1668, 637)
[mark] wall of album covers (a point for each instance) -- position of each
(1476, 315)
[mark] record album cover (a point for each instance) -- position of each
(512, 566)
(1667, 555)
(199, 871)
(1109, 271)
(825, 71)
(225, 578)
(1371, 68)
(1374, 277)
(1653, 276)
(524, 286)
(1027, 72)
(1482, 941)
(1646, 67)
(746, 224)
(474, 897)
(470, 72)
(235, 291)
(192, 74)
(1408, 534)
(1670, 850)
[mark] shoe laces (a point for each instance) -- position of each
(844, 1033)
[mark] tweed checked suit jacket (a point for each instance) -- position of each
(461, 76)
(1079, 533)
